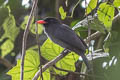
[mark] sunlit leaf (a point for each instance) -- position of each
(103, 8)
(67, 63)
(7, 47)
(62, 13)
(106, 15)
(92, 5)
(9, 26)
(31, 66)
(50, 50)
(46, 75)
(116, 3)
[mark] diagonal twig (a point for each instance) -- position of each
(50, 63)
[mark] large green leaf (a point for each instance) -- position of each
(7, 47)
(106, 14)
(9, 26)
(92, 5)
(31, 66)
(50, 50)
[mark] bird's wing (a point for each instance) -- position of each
(68, 36)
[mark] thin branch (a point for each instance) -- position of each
(93, 36)
(76, 73)
(6, 63)
(38, 42)
(25, 35)
(50, 63)
(69, 71)
(74, 8)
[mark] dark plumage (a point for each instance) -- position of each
(62, 35)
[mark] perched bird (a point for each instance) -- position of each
(62, 35)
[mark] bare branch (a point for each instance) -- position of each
(92, 36)
(25, 35)
(50, 63)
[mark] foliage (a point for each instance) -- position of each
(13, 20)
(10, 28)
(92, 5)
(30, 68)
(7, 47)
(62, 13)
(116, 3)
(106, 14)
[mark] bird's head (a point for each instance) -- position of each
(48, 21)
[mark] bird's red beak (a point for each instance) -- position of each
(41, 22)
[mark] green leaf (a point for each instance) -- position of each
(46, 75)
(102, 11)
(67, 63)
(92, 5)
(31, 66)
(40, 29)
(106, 15)
(62, 13)
(50, 50)
(7, 47)
(24, 23)
(32, 25)
(116, 3)
(9, 26)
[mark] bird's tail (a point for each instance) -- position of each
(81, 53)
(85, 61)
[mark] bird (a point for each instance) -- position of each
(65, 37)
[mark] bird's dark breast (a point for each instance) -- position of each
(52, 36)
